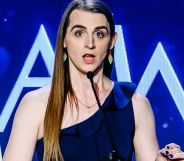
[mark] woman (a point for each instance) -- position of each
(63, 120)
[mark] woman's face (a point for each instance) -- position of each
(87, 40)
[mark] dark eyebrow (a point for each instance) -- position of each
(78, 26)
(96, 28)
(102, 27)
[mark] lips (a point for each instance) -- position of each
(88, 58)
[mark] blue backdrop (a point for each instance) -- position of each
(149, 52)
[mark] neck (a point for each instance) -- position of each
(83, 89)
(81, 83)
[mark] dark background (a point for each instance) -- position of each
(145, 23)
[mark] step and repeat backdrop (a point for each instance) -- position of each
(149, 52)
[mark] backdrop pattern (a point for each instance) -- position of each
(149, 52)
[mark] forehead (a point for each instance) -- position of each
(86, 18)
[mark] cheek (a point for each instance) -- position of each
(73, 47)
(73, 41)
(102, 48)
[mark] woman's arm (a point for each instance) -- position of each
(145, 141)
(24, 130)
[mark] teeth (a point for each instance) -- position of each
(90, 55)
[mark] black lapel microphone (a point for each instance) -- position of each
(113, 156)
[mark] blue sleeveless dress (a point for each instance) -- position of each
(89, 141)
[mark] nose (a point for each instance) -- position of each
(90, 42)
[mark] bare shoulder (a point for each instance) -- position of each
(142, 108)
(145, 141)
(32, 107)
(28, 118)
(140, 102)
(35, 101)
(38, 94)
(139, 99)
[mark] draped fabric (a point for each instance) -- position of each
(89, 140)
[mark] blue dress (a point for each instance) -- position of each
(89, 141)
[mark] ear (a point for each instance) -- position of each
(64, 43)
(113, 40)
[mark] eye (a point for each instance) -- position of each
(79, 33)
(100, 34)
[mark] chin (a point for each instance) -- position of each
(90, 68)
(94, 70)
(86, 70)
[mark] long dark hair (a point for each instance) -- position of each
(61, 87)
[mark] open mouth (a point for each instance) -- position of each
(89, 58)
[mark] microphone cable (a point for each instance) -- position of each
(113, 156)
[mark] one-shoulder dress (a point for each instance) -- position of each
(89, 139)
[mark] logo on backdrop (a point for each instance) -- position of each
(159, 62)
